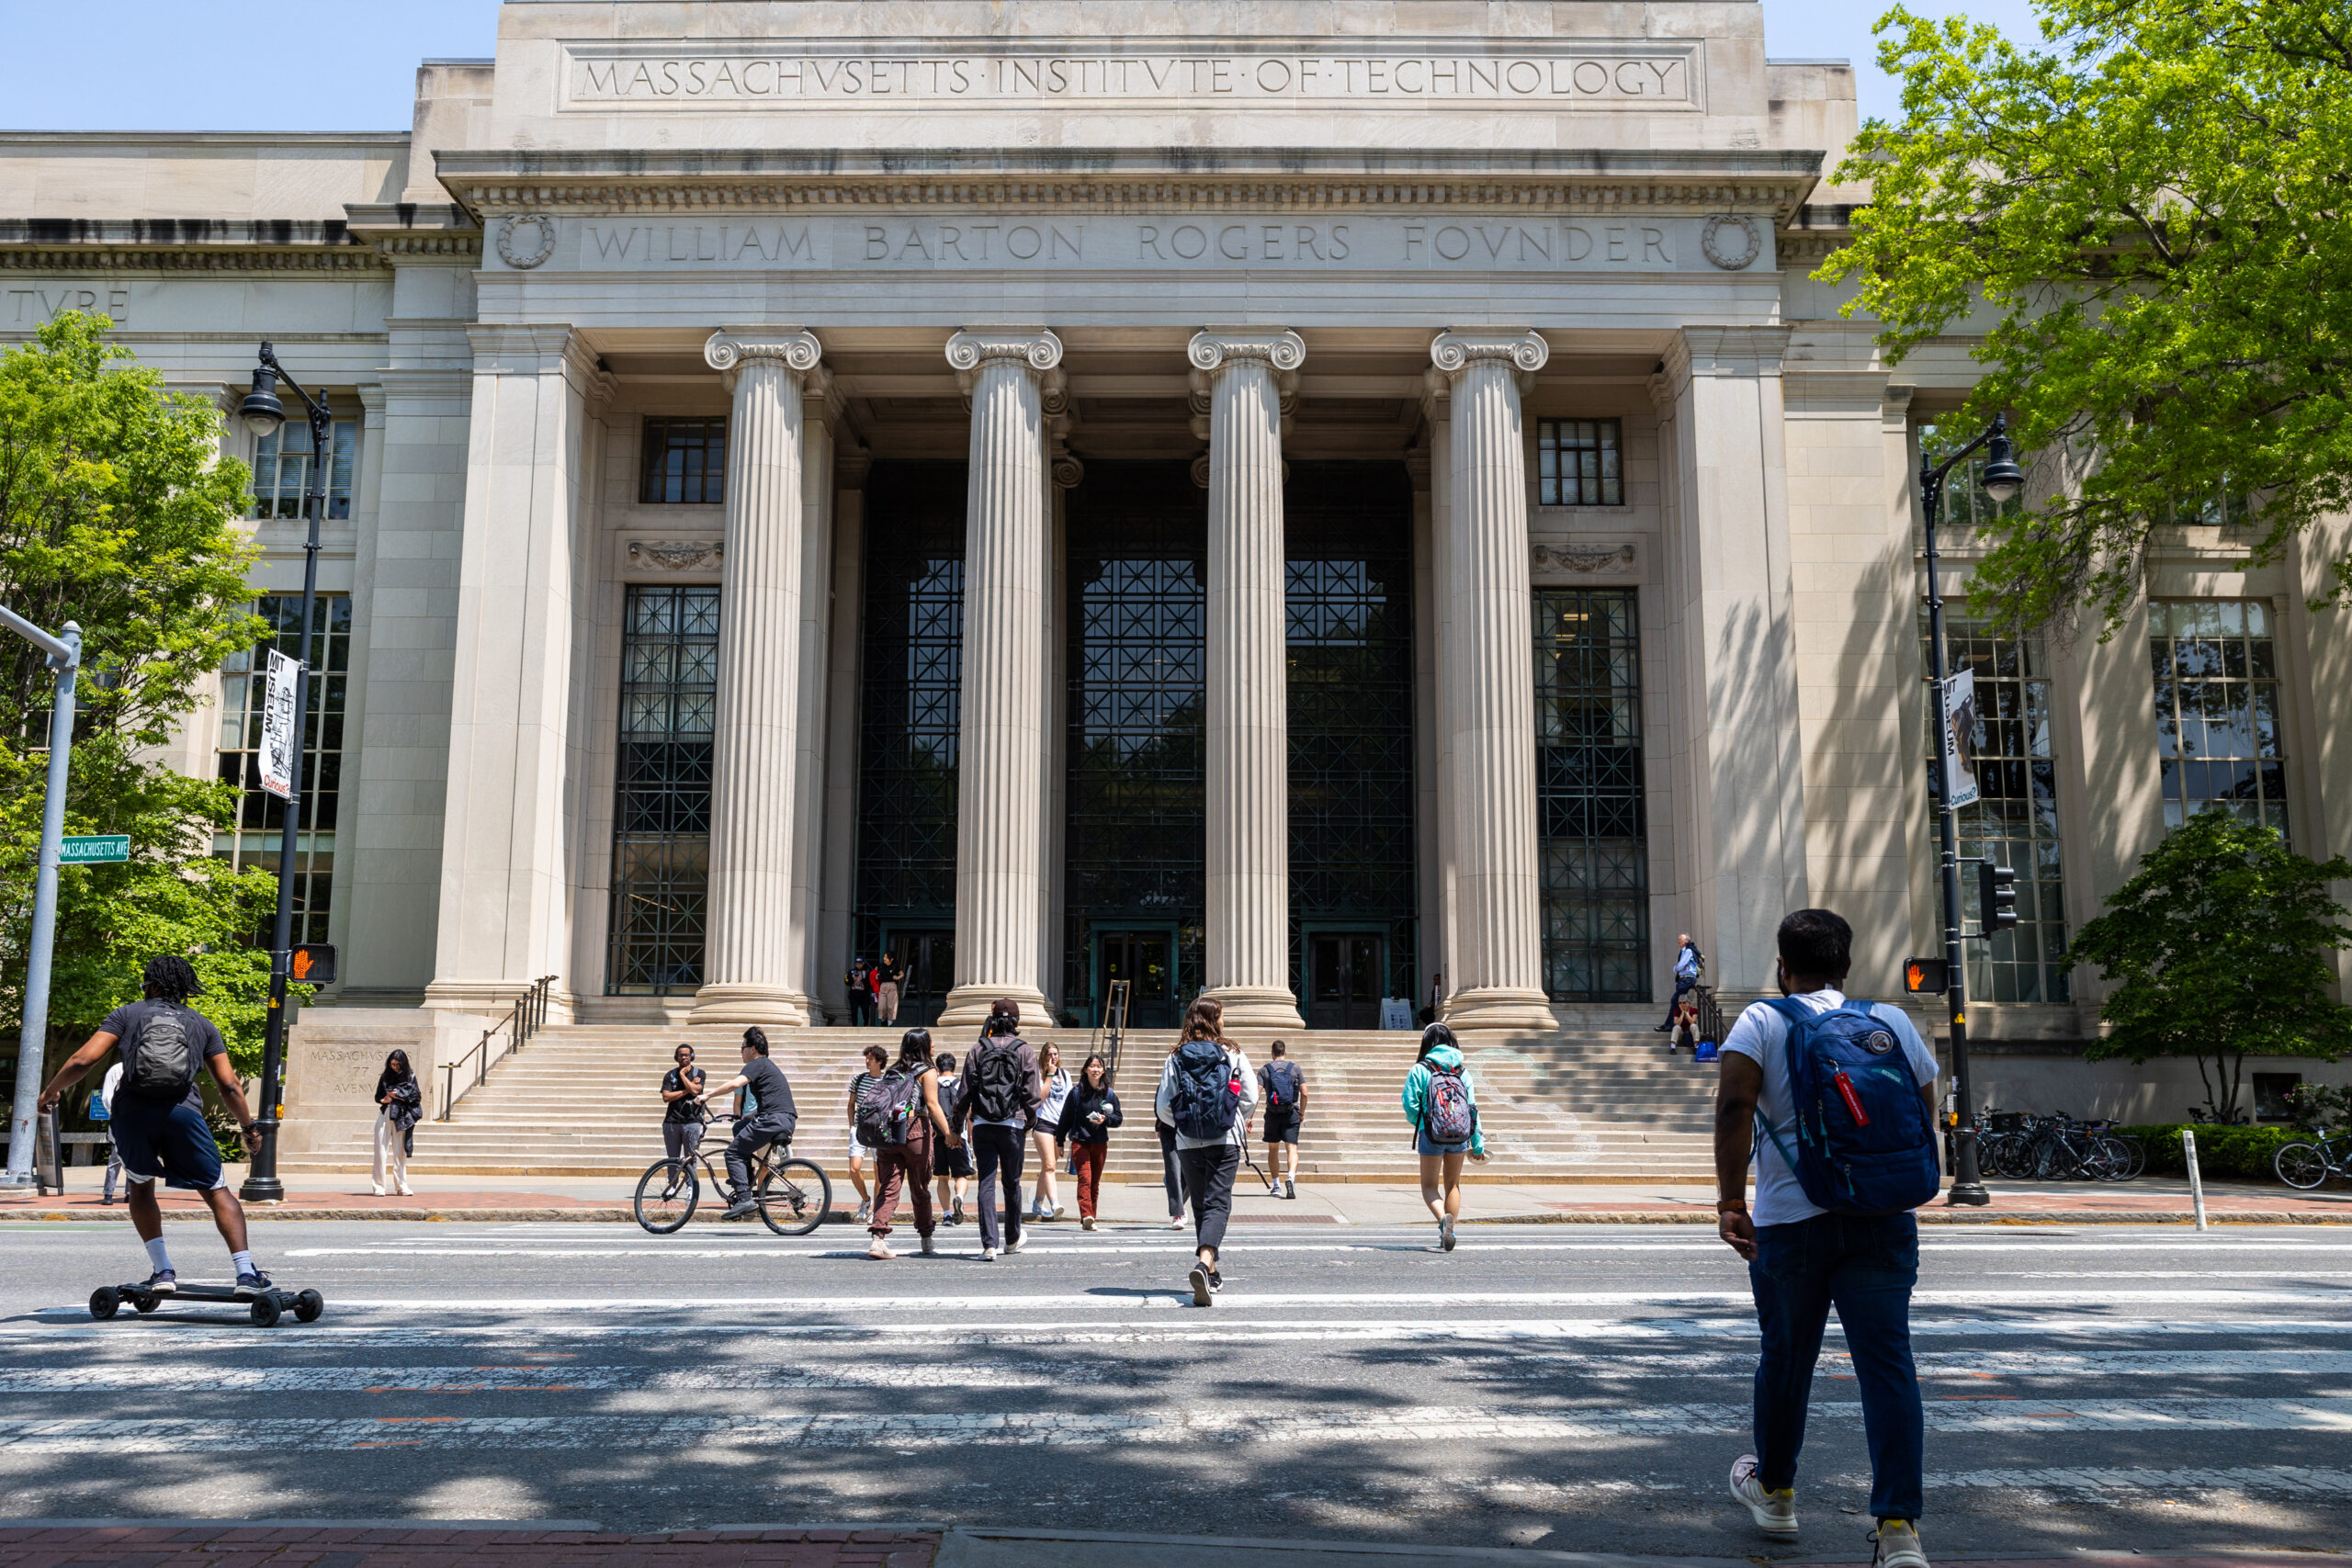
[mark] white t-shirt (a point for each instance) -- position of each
(1762, 1036)
(1050, 1115)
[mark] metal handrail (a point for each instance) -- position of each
(1115, 1022)
(525, 1019)
(1711, 1015)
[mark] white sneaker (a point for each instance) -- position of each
(987, 1255)
(1775, 1512)
(1898, 1545)
(1176, 1222)
(880, 1249)
(865, 1211)
(928, 1249)
(405, 1190)
(380, 1190)
(1446, 1233)
(1086, 1222)
(1018, 1244)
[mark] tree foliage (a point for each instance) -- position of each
(2216, 952)
(117, 512)
(2149, 212)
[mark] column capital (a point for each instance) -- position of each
(795, 348)
(971, 347)
(1455, 352)
(1212, 348)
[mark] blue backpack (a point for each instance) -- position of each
(1207, 1098)
(1865, 1145)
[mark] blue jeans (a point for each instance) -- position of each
(1864, 1268)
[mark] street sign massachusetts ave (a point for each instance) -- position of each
(93, 849)
(278, 743)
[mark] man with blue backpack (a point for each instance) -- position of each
(1836, 1098)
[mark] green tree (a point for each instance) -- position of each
(2216, 951)
(2145, 217)
(118, 511)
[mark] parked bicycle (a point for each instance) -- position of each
(2306, 1164)
(2057, 1149)
(794, 1195)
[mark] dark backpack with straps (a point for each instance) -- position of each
(887, 1109)
(1207, 1098)
(1282, 1086)
(1865, 1143)
(994, 1081)
(160, 1059)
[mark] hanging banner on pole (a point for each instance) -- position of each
(1959, 738)
(281, 750)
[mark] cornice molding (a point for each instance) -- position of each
(1768, 185)
(113, 259)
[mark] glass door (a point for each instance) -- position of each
(929, 959)
(1143, 959)
(1344, 971)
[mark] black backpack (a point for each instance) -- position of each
(993, 1082)
(1207, 1096)
(887, 1109)
(160, 1058)
(1282, 1086)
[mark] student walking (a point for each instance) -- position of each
(1171, 1175)
(101, 1109)
(951, 1159)
(890, 984)
(908, 1106)
(158, 1122)
(1845, 1093)
(399, 1102)
(1444, 1111)
(1282, 1085)
(1000, 1093)
(1045, 1131)
(1205, 1093)
(877, 1060)
(1089, 1112)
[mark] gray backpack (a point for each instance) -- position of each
(160, 1060)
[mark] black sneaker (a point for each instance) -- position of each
(741, 1207)
(1661, 1029)
(162, 1282)
(1290, 1188)
(1217, 1282)
(252, 1284)
(1202, 1281)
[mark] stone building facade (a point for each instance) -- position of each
(1313, 502)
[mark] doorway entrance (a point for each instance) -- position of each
(1345, 972)
(929, 956)
(1146, 960)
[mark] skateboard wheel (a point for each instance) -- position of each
(308, 1305)
(104, 1301)
(146, 1303)
(266, 1310)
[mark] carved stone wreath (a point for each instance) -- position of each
(676, 555)
(542, 244)
(1597, 561)
(1747, 226)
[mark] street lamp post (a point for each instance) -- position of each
(2002, 481)
(264, 415)
(64, 658)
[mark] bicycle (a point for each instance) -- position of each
(2306, 1164)
(794, 1195)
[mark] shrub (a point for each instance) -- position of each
(2241, 1154)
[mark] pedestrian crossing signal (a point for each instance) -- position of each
(1926, 977)
(313, 964)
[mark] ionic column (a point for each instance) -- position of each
(1246, 935)
(999, 862)
(753, 952)
(1488, 673)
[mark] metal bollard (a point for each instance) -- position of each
(2196, 1182)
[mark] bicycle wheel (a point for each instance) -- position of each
(794, 1196)
(2300, 1165)
(666, 1196)
(2016, 1155)
(2106, 1158)
(2135, 1154)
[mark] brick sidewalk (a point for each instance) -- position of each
(263, 1546)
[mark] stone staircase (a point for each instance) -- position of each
(1586, 1106)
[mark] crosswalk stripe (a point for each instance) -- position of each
(2288, 1479)
(668, 1432)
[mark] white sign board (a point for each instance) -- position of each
(1960, 739)
(1395, 1012)
(280, 748)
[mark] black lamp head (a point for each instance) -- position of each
(260, 411)
(2003, 479)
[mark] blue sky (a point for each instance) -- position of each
(200, 64)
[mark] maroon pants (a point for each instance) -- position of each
(1089, 1159)
(909, 1164)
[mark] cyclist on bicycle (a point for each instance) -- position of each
(769, 1121)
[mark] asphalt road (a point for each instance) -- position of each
(1563, 1386)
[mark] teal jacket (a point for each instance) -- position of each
(1416, 1089)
